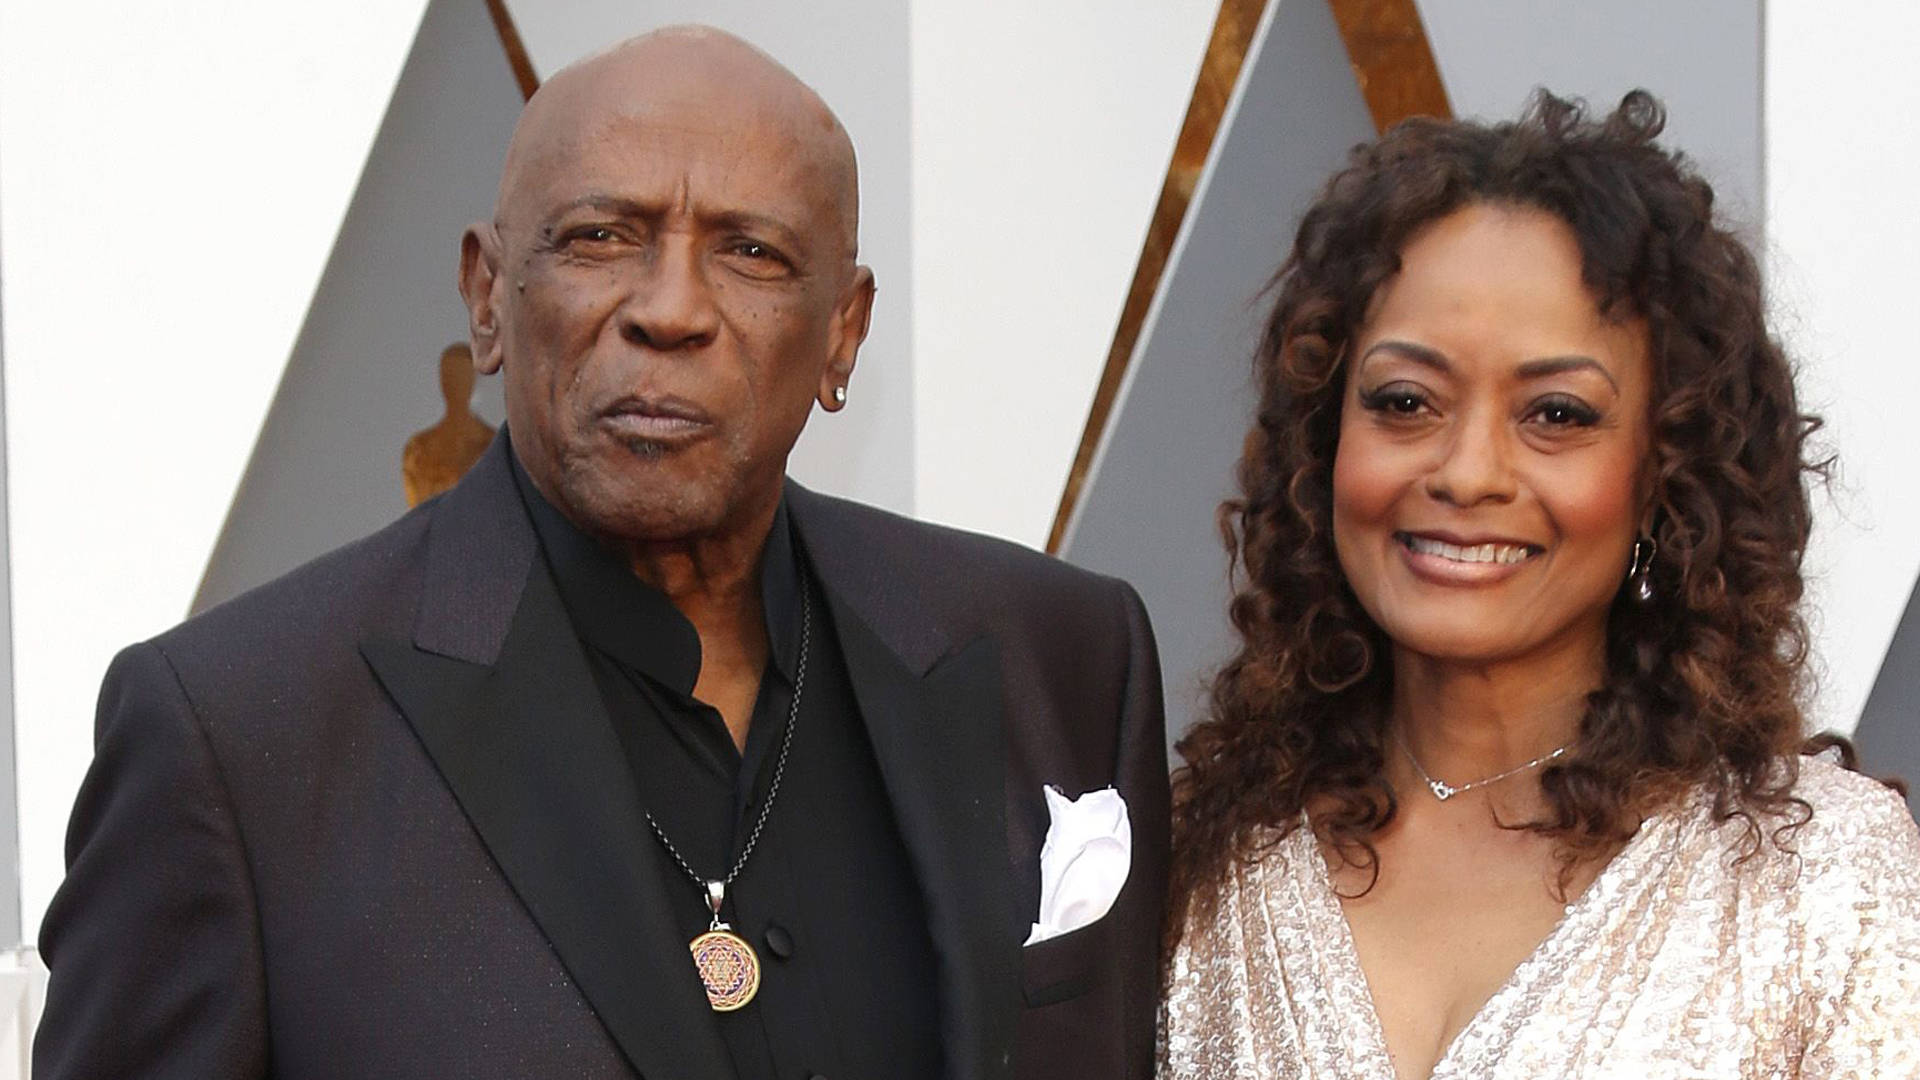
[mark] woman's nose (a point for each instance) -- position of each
(1475, 463)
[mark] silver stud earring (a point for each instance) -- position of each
(839, 395)
(1640, 573)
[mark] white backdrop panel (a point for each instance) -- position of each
(172, 180)
(1842, 151)
(1042, 133)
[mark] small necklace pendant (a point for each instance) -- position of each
(1441, 791)
(728, 966)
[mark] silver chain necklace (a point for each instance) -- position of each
(728, 966)
(1444, 791)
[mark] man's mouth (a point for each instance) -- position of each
(656, 419)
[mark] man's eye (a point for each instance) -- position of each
(590, 234)
(755, 259)
(754, 249)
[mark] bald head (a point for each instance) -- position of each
(692, 81)
(669, 284)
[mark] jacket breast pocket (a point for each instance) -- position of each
(1073, 1023)
(1065, 967)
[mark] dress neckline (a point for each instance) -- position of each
(1585, 914)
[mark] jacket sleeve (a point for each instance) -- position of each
(153, 940)
(1142, 765)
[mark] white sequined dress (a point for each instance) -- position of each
(1677, 962)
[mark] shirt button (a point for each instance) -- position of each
(780, 944)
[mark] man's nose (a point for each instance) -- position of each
(670, 306)
(1475, 463)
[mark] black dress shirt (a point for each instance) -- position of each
(828, 897)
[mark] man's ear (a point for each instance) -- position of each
(851, 321)
(479, 280)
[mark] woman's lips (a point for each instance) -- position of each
(1453, 560)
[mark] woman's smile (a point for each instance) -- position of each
(1445, 559)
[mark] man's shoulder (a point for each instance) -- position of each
(367, 584)
(934, 552)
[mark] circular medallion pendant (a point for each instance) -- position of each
(728, 969)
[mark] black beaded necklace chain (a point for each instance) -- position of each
(727, 964)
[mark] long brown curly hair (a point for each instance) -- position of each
(1702, 685)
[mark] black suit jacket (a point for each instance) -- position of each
(372, 820)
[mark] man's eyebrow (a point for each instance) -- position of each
(1419, 354)
(747, 221)
(1556, 365)
(613, 204)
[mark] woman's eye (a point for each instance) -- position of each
(1398, 400)
(1565, 412)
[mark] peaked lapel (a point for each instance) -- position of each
(497, 687)
(934, 715)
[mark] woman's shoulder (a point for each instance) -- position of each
(1854, 842)
(1271, 860)
(1851, 816)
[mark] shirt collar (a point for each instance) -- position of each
(635, 623)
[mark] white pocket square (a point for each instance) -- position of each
(1083, 862)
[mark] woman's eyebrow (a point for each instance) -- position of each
(1419, 354)
(1556, 365)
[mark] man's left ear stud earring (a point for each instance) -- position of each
(839, 395)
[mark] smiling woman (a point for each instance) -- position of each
(1506, 777)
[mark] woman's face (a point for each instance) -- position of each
(1490, 476)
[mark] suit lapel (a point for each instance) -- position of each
(499, 692)
(934, 717)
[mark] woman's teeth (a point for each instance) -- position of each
(1479, 553)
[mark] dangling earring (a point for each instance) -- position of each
(1640, 573)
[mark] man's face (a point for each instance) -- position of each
(671, 287)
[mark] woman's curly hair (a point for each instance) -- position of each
(1702, 685)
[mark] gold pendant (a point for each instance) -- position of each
(728, 968)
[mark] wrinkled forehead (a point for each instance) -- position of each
(693, 146)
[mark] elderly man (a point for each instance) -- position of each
(629, 756)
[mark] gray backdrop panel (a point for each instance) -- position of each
(1147, 510)
(1703, 59)
(1889, 732)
